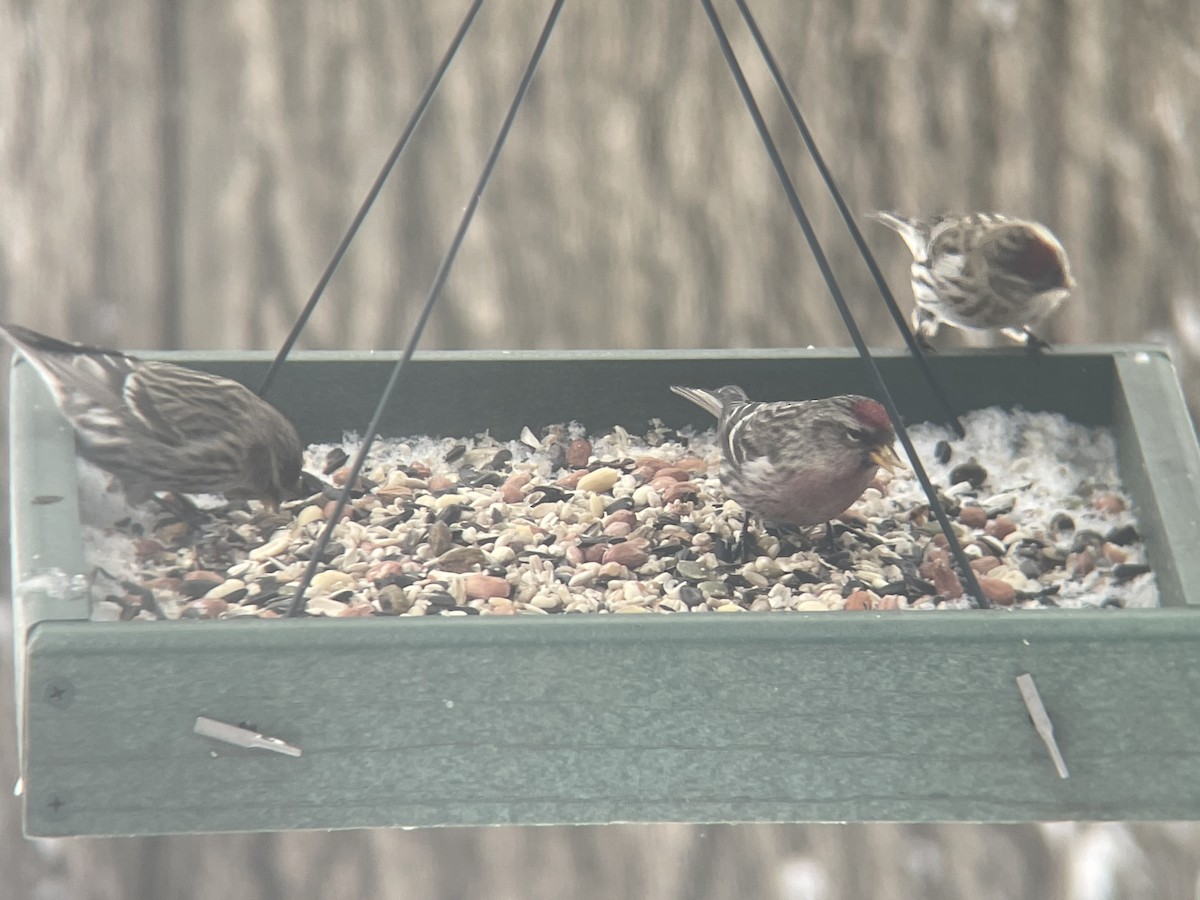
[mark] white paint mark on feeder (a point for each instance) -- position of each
(1041, 721)
(242, 737)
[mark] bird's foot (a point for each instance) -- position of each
(1024, 335)
(923, 341)
(791, 539)
(746, 548)
(180, 507)
(828, 543)
(1035, 345)
(137, 599)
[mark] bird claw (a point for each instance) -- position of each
(181, 507)
(1035, 345)
(922, 340)
(746, 547)
(828, 543)
(924, 326)
(1024, 335)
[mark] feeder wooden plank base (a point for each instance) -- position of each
(724, 718)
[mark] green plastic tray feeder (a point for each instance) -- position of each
(591, 719)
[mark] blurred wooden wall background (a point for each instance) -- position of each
(176, 175)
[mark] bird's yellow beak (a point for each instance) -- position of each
(885, 457)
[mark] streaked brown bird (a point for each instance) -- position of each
(798, 462)
(983, 271)
(162, 427)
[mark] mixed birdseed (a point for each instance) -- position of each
(563, 522)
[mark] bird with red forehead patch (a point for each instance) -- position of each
(799, 462)
(983, 272)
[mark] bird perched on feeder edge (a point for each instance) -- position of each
(983, 272)
(162, 427)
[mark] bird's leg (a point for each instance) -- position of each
(791, 540)
(743, 549)
(827, 544)
(147, 602)
(925, 325)
(182, 507)
(865, 536)
(97, 573)
(1034, 344)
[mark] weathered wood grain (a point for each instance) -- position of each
(162, 195)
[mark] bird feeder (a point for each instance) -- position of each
(170, 727)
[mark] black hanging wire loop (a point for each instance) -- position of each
(864, 251)
(297, 605)
(369, 201)
(839, 299)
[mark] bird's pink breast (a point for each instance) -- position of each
(807, 497)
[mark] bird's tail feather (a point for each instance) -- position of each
(914, 232)
(68, 367)
(705, 399)
(32, 342)
(35, 348)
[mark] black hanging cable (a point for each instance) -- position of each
(839, 299)
(863, 250)
(297, 604)
(368, 202)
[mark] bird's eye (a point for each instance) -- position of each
(857, 435)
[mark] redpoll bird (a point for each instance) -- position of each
(983, 271)
(800, 462)
(161, 427)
